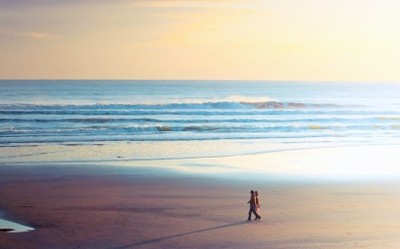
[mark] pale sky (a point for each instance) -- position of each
(333, 40)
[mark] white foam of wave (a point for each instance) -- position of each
(232, 98)
(14, 227)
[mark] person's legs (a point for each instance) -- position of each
(254, 210)
(250, 211)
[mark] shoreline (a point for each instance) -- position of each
(131, 151)
(339, 163)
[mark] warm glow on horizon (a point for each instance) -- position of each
(339, 40)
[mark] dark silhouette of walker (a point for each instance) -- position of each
(253, 206)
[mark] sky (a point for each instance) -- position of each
(329, 40)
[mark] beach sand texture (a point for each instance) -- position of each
(73, 207)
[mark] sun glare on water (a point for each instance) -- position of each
(340, 162)
(355, 162)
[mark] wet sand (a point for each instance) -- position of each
(119, 208)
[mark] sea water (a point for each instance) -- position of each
(43, 112)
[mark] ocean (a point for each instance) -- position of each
(37, 112)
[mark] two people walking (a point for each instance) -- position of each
(254, 205)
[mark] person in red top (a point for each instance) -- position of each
(253, 206)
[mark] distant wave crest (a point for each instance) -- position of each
(270, 104)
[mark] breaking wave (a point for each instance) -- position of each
(192, 106)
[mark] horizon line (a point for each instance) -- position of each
(200, 80)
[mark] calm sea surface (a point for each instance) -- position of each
(59, 112)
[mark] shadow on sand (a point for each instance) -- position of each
(150, 241)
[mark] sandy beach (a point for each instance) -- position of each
(116, 207)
